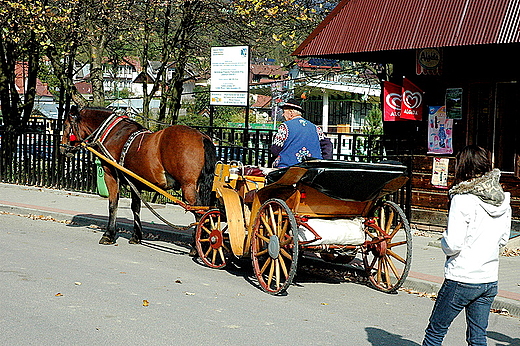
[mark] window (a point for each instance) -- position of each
(494, 121)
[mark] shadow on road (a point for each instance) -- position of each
(380, 337)
(151, 231)
(166, 248)
(507, 341)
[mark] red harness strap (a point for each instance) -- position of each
(109, 126)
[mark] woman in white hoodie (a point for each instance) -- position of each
(479, 223)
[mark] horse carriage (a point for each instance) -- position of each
(335, 210)
(331, 208)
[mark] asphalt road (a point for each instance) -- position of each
(59, 287)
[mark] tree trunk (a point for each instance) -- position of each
(96, 71)
(33, 65)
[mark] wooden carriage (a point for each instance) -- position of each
(335, 209)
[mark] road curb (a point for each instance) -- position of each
(500, 303)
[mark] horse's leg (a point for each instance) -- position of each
(189, 192)
(137, 235)
(109, 237)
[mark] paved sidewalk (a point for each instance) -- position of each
(426, 273)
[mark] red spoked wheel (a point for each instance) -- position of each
(387, 253)
(274, 246)
(212, 240)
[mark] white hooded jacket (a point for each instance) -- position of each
(477, 227)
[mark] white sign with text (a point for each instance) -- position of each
(229, 76)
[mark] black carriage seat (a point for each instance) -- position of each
(349, 181)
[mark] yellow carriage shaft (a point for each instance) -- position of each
(144, 181)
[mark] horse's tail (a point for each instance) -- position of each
(205, 181)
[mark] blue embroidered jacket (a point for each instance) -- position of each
(296, 139)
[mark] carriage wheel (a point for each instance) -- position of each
(387, 252)
(274, 248)
(211, 239)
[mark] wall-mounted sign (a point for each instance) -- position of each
(229, 76)
(428, 61)
(454, 103)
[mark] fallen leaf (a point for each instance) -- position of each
(178, 281)
(189, 293)
(58, 295)
(77, 283)
(145, 302)
(324, 303)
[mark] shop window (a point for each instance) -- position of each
(495, 122)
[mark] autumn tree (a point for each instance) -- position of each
(181, 32)
(19, 54)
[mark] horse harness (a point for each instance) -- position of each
(129, 142)
(99, 136)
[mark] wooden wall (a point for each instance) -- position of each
(430, 204)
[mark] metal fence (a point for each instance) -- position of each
(35, 160)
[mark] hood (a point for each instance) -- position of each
(495, 211)
(488, 189)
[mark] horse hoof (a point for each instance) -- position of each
(106, 240)
(134, 241)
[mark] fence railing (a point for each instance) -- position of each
(35, 158)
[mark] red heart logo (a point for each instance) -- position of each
(412, 99)
(393, 100)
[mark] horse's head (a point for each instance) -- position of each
(73, 132)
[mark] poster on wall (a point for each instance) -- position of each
(440, 131)
(440, 172)
(454, 103)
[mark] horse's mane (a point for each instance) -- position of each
(107, 112)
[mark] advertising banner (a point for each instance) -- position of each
(392, 101)
(412, 101)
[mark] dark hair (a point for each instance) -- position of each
(472, 161)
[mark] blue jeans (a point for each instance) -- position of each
(451, 299)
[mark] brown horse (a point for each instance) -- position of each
(175, 157)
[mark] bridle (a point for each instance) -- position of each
(75, 137)
(98, 135)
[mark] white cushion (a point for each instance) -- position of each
(334, 231)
